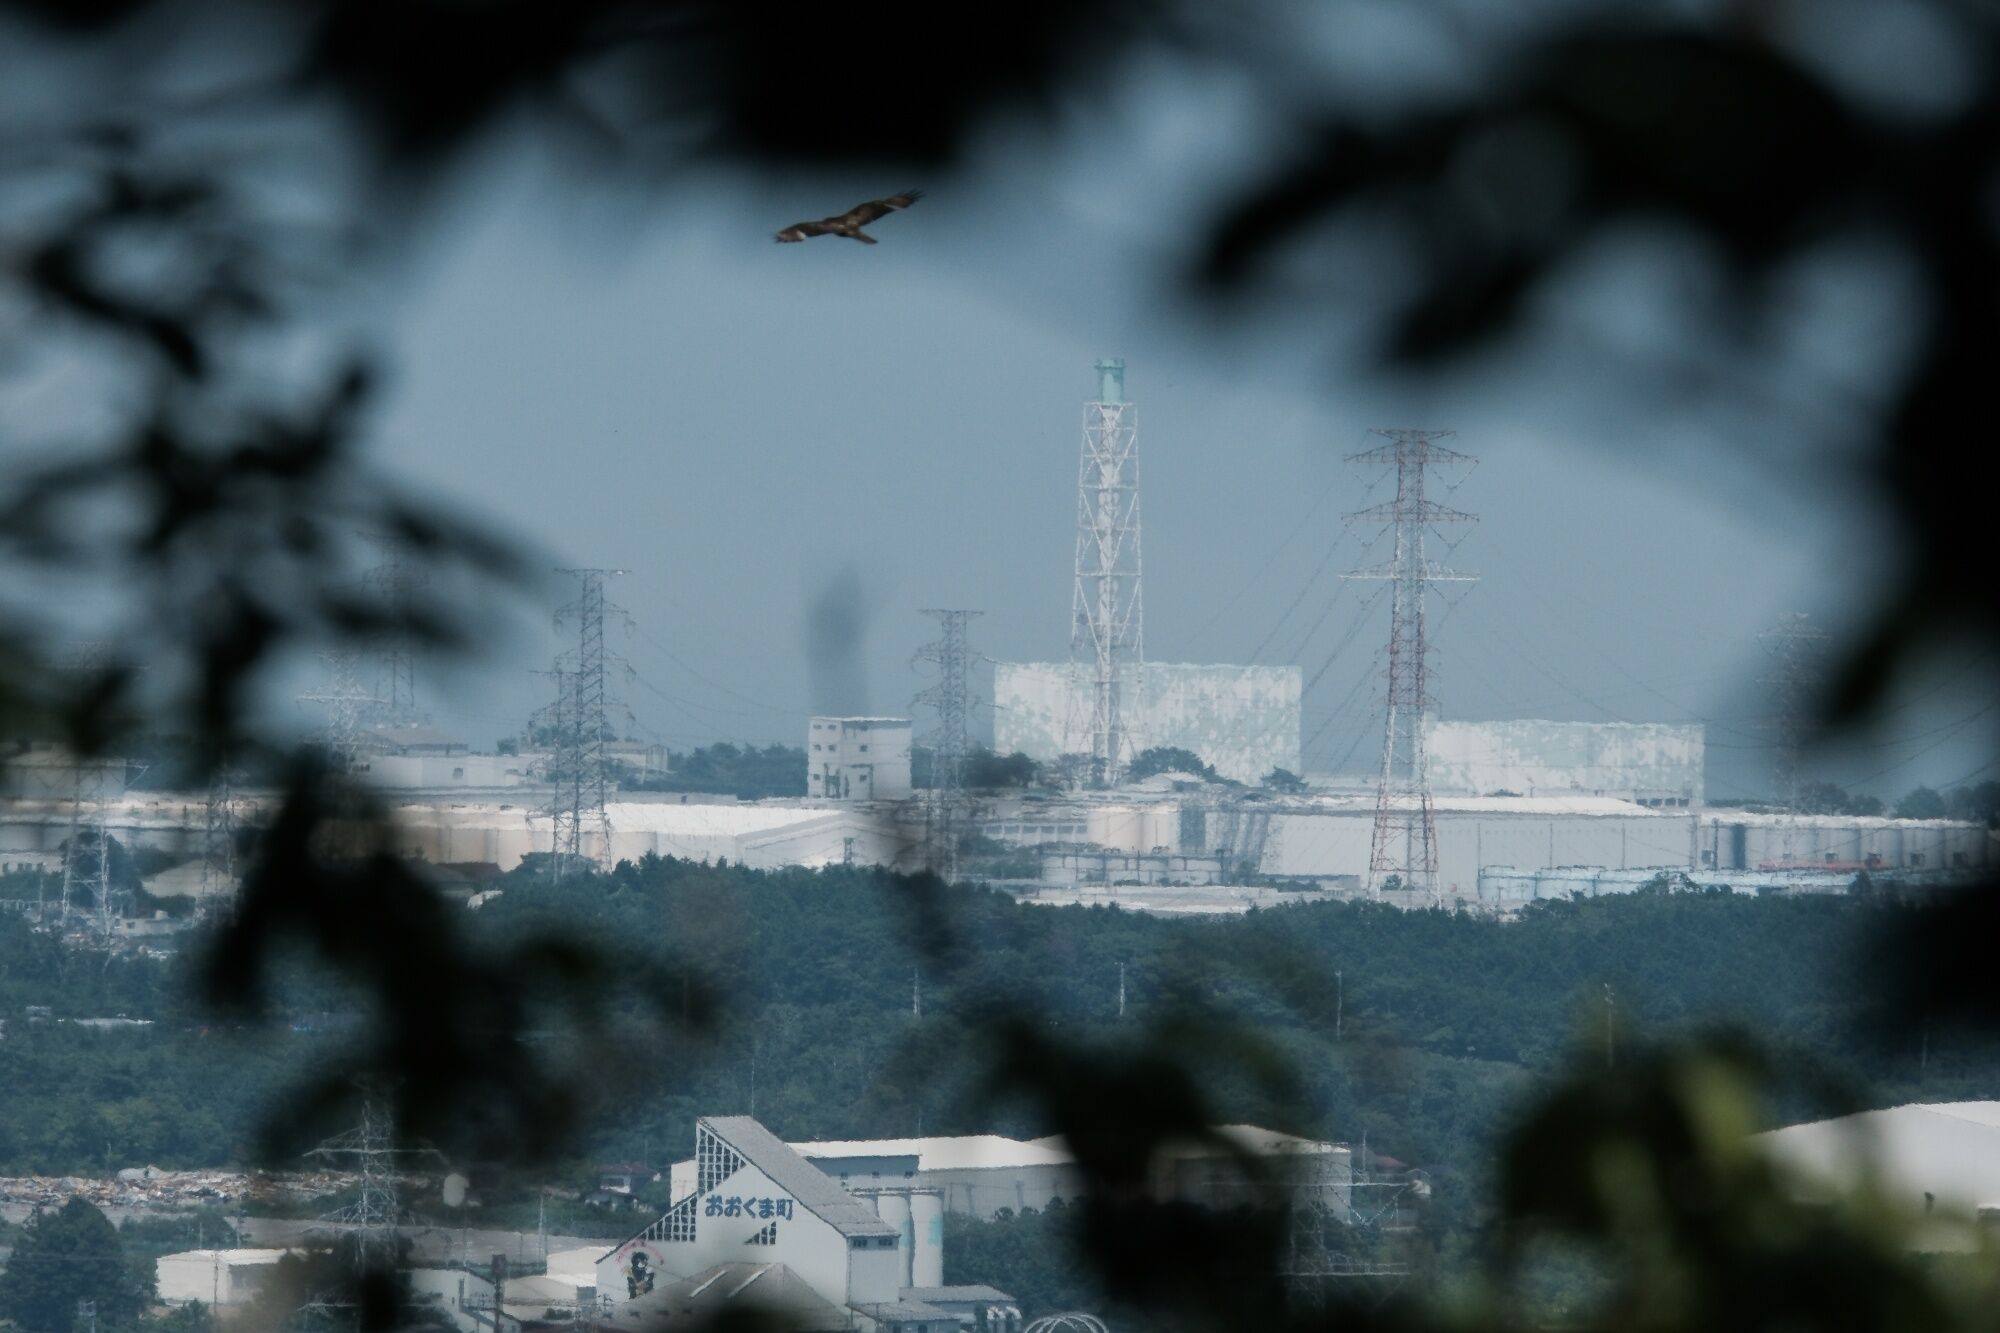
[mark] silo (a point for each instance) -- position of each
(893, 1207)
(927, 1229)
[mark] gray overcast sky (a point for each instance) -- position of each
(660, 388)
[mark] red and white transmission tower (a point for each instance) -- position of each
(1405, 841)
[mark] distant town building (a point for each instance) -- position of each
(216, 1278)
(858, 758)
(759, 1230)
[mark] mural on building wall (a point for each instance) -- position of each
(638, 1274)
(1244, 720)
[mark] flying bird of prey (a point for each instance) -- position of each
(850, 223)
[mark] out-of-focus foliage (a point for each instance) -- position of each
(221, 491)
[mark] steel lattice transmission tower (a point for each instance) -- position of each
(218, 840)
(369, 1151)
(83, 662)
(951, 697)
(400, 586)
(579, 765)
(1107, 621)
(347, 702)
(1405, 837)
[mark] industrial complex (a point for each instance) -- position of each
(1479, 814)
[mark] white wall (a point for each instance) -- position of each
(984, 1191)
(1338, 843)
(394, 772)
(213, 1277)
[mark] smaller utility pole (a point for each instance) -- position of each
(1610, 1027)
(499, 1290)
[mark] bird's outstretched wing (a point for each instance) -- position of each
(798, 231)
(862, 214)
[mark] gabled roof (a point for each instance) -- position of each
(812, 1187)
(941, 1153)
(1949, 1151)
(971, 1292)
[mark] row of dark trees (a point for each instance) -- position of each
(1978, 803)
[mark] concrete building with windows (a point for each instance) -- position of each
(752, 1213)
(1519, 847)
(858, 758)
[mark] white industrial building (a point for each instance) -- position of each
(752, 1212)
(218, 1279)
(1242, 720)
(501, 830)
(858, 758)
(1939, 1160)
(1647, 763)
(979, 1175)
(1327, 839)
(446, 772)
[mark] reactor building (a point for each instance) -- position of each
(1654, 764)
(1242, 720)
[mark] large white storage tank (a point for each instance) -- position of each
(927, 1233)
(893, 1207)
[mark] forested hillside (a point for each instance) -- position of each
(1419, 1031)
